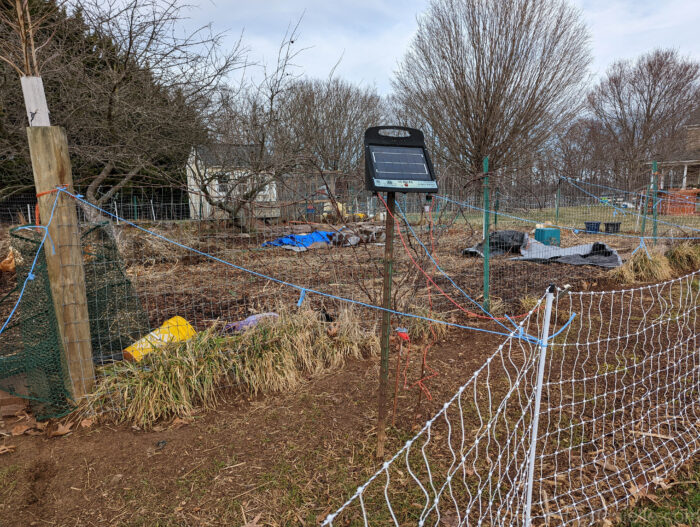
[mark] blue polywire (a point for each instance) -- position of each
(642, 245)
(525, 337)
(45, 228)
(403, 216)
(571, 319)
(636, 193)
(624, 211)
(30, 274)
(572, 229)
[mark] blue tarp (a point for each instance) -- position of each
(301, 240)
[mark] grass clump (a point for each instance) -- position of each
(420, 329)
(643, 267)
(276, 355)
(528, 303)
(684, 257)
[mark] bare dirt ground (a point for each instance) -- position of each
(285, 459)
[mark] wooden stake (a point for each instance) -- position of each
(386, 324)
(51, 166)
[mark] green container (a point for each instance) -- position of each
(548, 236)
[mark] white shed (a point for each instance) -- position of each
(223, 172)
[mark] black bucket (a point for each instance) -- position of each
(592, 227)
(612, 227)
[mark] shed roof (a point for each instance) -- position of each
(691, 157)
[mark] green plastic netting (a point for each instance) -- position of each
(31, 357)
(32, 362)
(117, 318)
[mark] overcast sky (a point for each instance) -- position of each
(370, 36)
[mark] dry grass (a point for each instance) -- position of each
(641, 267)
(497, 306)
(178, 379)
(528, 303)
(136, 246)
(684, 257)
(420, 330)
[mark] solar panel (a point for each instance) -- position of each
(400, 164)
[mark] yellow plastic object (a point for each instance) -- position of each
(175, 329)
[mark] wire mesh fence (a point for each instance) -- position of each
(619, 387)
(618, 412)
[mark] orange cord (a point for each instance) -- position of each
(417, 266)
(39, 194)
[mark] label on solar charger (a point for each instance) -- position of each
(399, 184)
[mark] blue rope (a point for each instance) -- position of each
(78, 197)
(30, 274)
(624, 211)
(571, 319)
(572, 229)
(642, 245)
(403, 216)
(635, 193)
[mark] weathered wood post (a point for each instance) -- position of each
(48, 148)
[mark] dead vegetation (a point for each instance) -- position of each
(656, 265)
(684, 257)
(643, 266)
(274, 356)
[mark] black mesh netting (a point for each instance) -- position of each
(32, 362)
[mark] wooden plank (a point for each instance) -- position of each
(35, 101)
(51, 166)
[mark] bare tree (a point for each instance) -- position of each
(329, 118)
(147, 92)
(249, 131)
(494, 77)
(26, 34)
(642, 106)
(130, 85)
(582, 151)
(20, 37)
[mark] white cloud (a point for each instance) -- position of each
(367, 36)
(624, 29)
(372, 35)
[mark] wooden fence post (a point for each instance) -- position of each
(51, 166)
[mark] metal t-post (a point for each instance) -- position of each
(549, 300)
(487, 241)
(644, 211)
(557, 202)
(386, 324)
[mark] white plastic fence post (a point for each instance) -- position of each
(549, 300)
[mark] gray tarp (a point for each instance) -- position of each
(516, 242)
